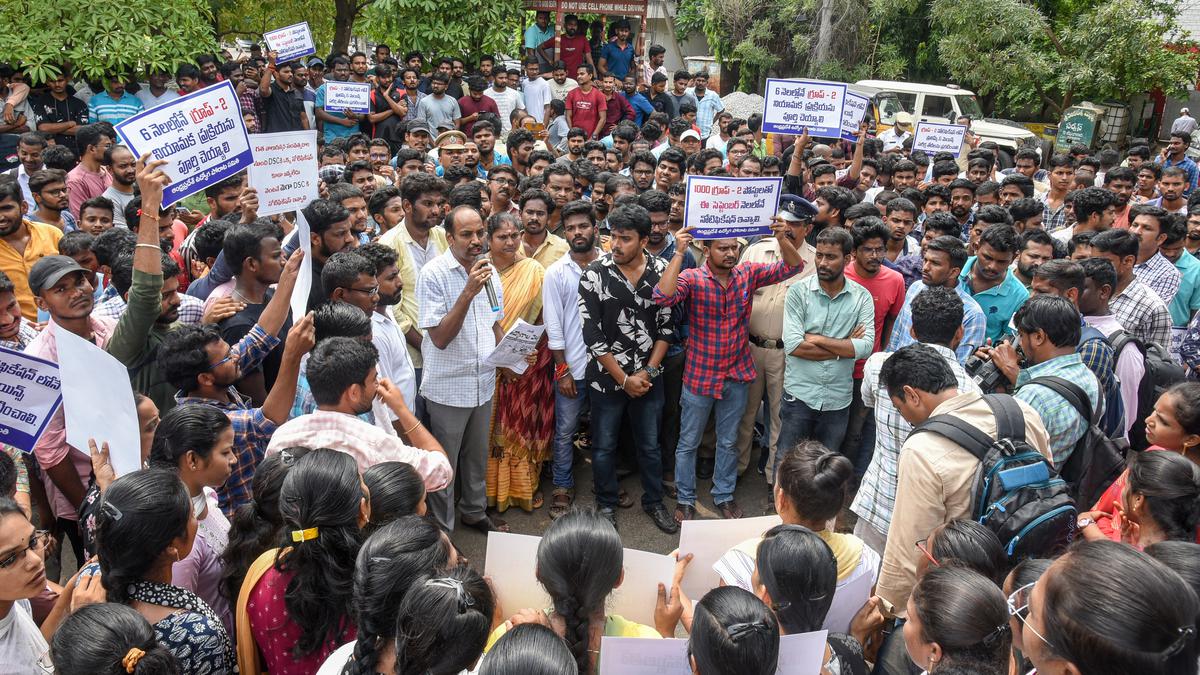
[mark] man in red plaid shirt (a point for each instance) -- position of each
(719, 368)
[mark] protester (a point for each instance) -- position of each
(957, 618)
(733, 633)
(529, 649)
(109, 639)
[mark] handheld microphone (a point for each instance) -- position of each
(487, 285)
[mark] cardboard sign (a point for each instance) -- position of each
(791, 106)
(30, 392)
(290, 42)
(98, 402)
(708, 540)
(800, 654)
(853, 114)
(717, 207)
(512, 561)
(201, 136)
(352, 96)
(933, 138)
(284, 170)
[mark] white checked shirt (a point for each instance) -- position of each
(1160, 275)
(560, 312)
(1143, 314)
(456, 376)
(191, 309)
(877, 495)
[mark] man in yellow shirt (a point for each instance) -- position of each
(536, 241)
(22, 243)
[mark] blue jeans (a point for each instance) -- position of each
(566, 421)
(644, 414)
(798, 422)
(694, 411)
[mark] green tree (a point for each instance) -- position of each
(1052, 54)
(97, 38)
(466, 28)
(332, 21)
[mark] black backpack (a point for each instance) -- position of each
(1161, 372)
(1017, 495)
(1097, 460)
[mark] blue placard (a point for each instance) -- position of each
(791, 106)
(30, 393)
(352, 96)
(716, 207)
(854, 112)
(290, 42)
(201, 135)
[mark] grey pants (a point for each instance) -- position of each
(463, 433)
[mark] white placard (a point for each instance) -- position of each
(801, 654)
(847, 600)
(791, 106)
(512, 564)
(284, 170)
(352, 96)
(201, 136)
(30, 392)
(933, 138)
(717, 207)
(290, 42)
(520, 341)
(853, 114)
(708, 540)
(304, 278)
(98, 401)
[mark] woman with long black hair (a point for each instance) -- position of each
(733, 633)
(109, 639)
(299, 609)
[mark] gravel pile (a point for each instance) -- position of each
(741, 104)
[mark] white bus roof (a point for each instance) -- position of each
(914, 87)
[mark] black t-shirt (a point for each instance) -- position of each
(237, 326)
(282, 110)
(316, 292)
(665, 104)
(49, 109)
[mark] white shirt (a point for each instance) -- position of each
(1130, 366)
(537, 97)
(23, 180)
(891, 140)
(506, 101)
(560, 313)
(456, 375)
(120, 200)
(22, 647)
(149, 100)
(394, 363)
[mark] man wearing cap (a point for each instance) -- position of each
(893, 139)
(22, 243)
(474, 103)
(766, 324)
(418, 135)
(438, 109)
(1184, 123)
(451, 148)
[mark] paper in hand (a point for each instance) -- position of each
(518, 343)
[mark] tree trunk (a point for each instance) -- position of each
(343, 24)
(822, 46)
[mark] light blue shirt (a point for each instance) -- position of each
(103, 108)
(1187, 298)
(998, 303)
(706, 110)
(1063, 423)
(974, 323)
(332, 131)
(825, 385)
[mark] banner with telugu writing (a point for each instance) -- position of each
(717, 207)
(352, 96)
(933, 138)
(30, 392)
(284, 170)
(290, 42)
(791, 106)
(201, 136)
(853, 114)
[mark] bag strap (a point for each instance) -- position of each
(1120, 338)
(249, 660)
(1010, 421)
(1074, 395)
(959, 432)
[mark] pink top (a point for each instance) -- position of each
(367, 443)
(82, 185)
(200, 572)
(275, 633)
(52, 447)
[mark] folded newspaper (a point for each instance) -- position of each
(518, 343)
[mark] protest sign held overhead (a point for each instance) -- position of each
(284, 170)
(853, 115)
(352, 96)
(29, 395)
(201, 136)
(717, 207)
(792, 106)
(932, 138)
(291, 42)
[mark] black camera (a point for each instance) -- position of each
(984, 371)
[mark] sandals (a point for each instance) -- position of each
(560, 502)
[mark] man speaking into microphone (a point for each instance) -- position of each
(459, 309)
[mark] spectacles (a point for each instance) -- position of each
(871, 250)
(504, 181)
(218, 364)
(374, 290)
(37, 542)
(1018, 606)
(923, 547)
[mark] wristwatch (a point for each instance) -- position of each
(653, 371)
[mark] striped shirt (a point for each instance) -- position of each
(103, 108)
(1063, 422)
(974, 322)
(1142, 313)
(1160, 275)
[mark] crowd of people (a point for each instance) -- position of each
(914, 347)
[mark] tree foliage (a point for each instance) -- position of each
(249, 19)
(98, 38)
(466, 28)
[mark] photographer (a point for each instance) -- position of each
(1048, 329)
